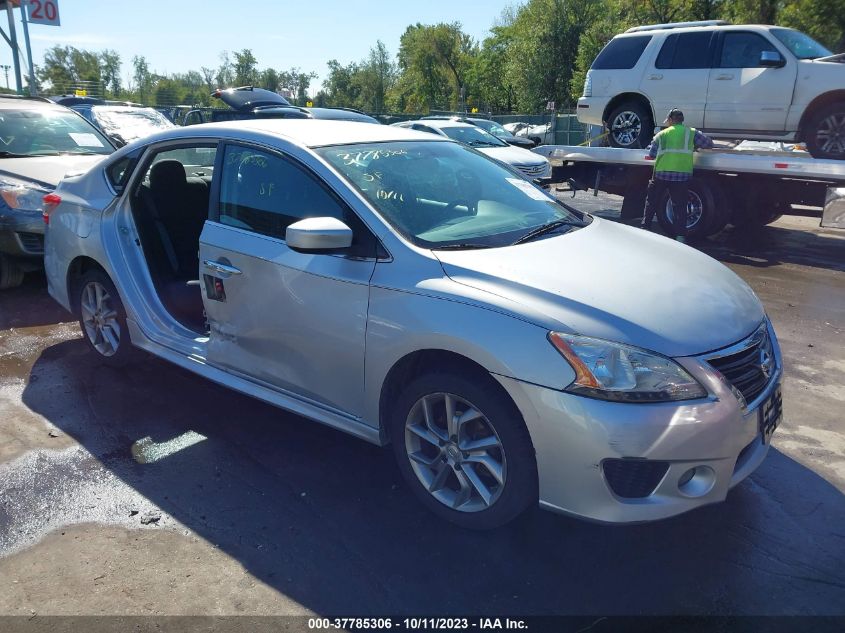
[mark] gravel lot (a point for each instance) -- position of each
(149, 491)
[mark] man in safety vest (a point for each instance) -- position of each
(672, 150)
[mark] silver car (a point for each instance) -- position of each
(416, 293)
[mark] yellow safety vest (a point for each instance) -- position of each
(675, 146)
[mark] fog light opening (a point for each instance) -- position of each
(696, 482)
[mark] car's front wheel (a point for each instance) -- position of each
(825, 134)
(11, 275)
(102, 318)
(463, 448)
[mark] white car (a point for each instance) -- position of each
(531, 164)
(412, 291)
(731, 81)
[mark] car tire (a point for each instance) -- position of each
(825, 132)
(704, 215)
(424, 450)
(11, 274)
(102, 319)
(630, 125)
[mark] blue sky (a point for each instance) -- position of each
(182, 36)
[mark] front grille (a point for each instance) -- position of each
(532, 170)
(749, 369)
(633, 478)
(32, 243)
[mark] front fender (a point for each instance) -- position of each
(402, 322)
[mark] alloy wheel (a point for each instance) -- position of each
(830, 135)
(455, 452)
(100, 319)
(626, 127)
(695, 209)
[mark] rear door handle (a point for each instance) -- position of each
(724, 76)
(221, 268)
(655, 76)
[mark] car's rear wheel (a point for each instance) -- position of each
(630, 125)
(825, 133)
(11, 274)
(102, 318)
(463, 448)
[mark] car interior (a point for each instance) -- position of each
(170, 207)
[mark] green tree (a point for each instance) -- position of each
(142, 78)
(297, 82)
(245, 68)
(110, 71)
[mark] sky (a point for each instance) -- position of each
(181, 36)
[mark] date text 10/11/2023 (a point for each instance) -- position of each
(416, 624)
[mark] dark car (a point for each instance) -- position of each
(494, 128)
(40, 142)
(248, 102)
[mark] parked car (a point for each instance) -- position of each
(531, 164)
(124, 124)
(248, 102)
(39, 143)
(489, 126)
(509, 348)
(539, 134)
(732, 81)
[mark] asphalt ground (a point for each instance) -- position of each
(147, 490)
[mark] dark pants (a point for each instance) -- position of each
(677, 193)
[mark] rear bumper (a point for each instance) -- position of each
(591, 109)
(575, 438)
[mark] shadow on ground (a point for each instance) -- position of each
(325, 519)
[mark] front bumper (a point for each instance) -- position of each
(573, 436)
(21, 233)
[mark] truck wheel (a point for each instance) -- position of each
(11, 275)
(704, 215)
(630, 126)
(758, 209)
(825, 132)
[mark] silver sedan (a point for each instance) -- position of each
(416, 293)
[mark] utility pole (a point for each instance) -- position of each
(6, 68)
(25, 24)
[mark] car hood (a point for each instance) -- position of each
(617, 283)
(47, 171)
(513, 155)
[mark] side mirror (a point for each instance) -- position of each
(316, 235)
(772, 59)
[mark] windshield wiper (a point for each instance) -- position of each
(463, 246)
(13, 155)
(545, 228)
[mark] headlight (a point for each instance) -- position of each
(22, 196)
(613, 371)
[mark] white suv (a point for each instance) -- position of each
(731, 81)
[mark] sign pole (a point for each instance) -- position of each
(13, 43)
(25, 23)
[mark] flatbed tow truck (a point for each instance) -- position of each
(745, 188)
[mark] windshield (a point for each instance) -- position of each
(472, 136)
(494, 128)
(801, 45)
(444, 195)
(48, 133)
(129, 123)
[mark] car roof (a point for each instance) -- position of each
(305, 132)
(442, 123)
(699, 29)
(14, 102)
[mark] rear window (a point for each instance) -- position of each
(685, 50)
(621, 53)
